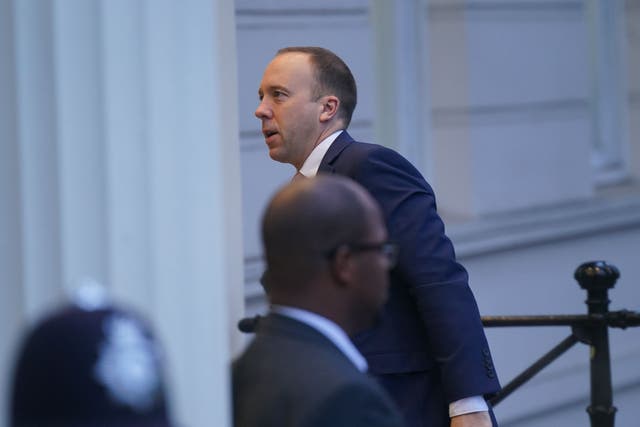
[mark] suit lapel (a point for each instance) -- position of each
(341, 142)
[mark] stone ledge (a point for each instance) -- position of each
(611, 209)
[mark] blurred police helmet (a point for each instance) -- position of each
(89, 364)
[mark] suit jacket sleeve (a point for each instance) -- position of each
(427, 264)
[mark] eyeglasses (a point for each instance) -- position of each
(387, 249)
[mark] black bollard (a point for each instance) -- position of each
(597, 278)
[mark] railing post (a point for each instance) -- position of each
(597, 278)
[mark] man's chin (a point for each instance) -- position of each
(277, 155)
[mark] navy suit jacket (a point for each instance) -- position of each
(293, 376)
(429, 348)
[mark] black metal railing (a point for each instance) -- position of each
(596, 278)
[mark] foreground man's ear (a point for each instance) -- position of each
(341, 266)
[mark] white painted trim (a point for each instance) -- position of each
(37, 139)
(402, 116)
(79, 128)
(545, 224)
(607, 35)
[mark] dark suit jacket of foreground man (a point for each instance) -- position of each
(291, 375)
(430, 348)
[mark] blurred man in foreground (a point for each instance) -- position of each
(327, 260)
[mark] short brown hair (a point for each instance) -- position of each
(333, 77)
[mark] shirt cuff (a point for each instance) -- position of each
(467, 406)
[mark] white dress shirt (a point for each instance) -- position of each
(312, 163)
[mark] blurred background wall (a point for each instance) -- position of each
(129, 153)
(524, 115)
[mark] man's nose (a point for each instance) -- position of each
(263, 112)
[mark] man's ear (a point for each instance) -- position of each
(342, 266)
(330, 105)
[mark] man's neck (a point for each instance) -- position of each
(326, 132)
(310, 166)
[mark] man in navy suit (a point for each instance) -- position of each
(328, 260)
(429, 350)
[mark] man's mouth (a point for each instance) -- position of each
(268, 134)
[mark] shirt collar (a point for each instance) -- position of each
(310, 166)
(327, 328)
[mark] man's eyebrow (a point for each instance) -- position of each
(277, 87)
(271, 89)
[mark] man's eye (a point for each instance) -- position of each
(278, 94)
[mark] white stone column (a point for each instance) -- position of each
(403, 119)
(11, 270)
(120, 160)
(30, 263)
